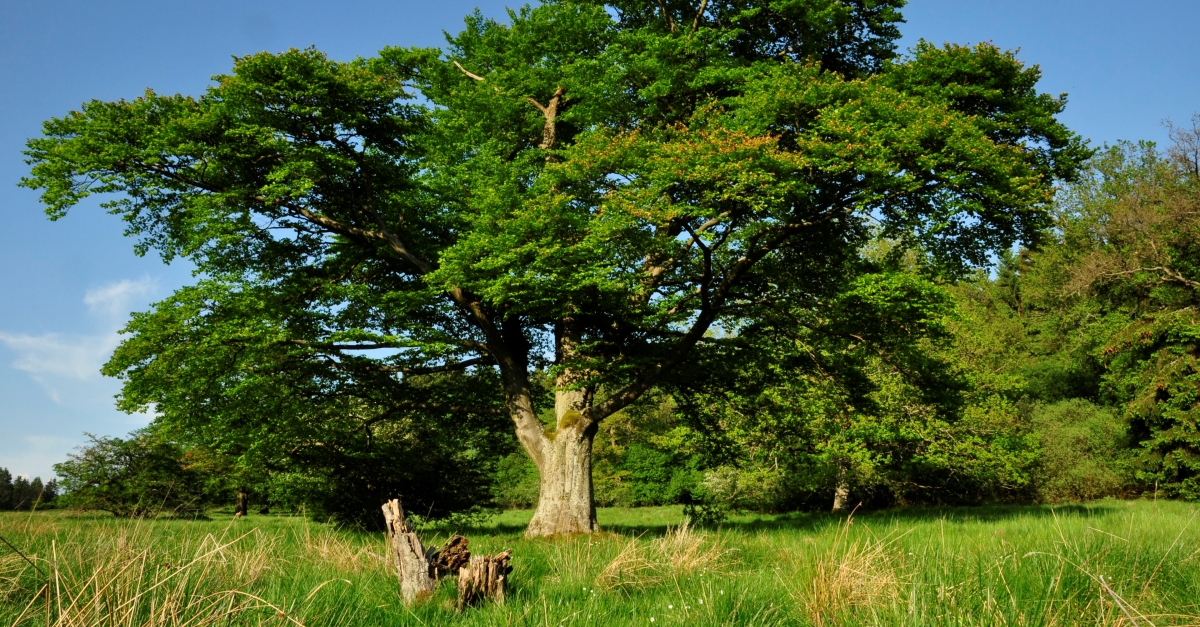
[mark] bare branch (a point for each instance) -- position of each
(696, 20)
(550, 111)
(464, 71)
(666, 16)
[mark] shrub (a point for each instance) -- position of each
(1080, 451)
(517, 482)
(133, 477)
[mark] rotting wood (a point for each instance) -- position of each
(408, 556)
(450, 558)
(483, 578)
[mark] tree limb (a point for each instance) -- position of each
(696, 20)
(464, 71)
(666, 16)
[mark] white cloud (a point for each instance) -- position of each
(76, 357)
(57, 360)
(115, 300)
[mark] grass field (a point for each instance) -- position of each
(978, 566)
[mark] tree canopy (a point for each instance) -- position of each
(392, 248)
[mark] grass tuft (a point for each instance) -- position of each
(680, 552)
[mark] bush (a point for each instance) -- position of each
(517, 482)
(1081, 446)
(137, 476)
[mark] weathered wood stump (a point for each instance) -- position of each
(408, 556)
(483, 578)
(419, 570)
(450, 558)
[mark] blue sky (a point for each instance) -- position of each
(66, 287)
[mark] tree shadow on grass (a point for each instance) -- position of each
(814, 521)
(656, 521)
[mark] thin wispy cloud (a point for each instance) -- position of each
(116, 300)
(58, 360)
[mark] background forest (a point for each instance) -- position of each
(1066, 374)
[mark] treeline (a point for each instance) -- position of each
(22, 494)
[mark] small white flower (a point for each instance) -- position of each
(701, 601)
(721, 592)
(670, 607)
(652, 619)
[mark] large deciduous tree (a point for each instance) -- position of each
(587, 190)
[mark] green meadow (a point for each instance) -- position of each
(1104, 563)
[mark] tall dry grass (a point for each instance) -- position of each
(851, 575)
(681, 551)
(132, 575)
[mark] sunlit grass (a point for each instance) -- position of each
(968, 566)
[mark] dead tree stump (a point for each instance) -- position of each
(483, 578)
(450, 558)
(412, 567)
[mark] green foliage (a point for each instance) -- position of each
(1135, 230)
(391, 248)
(1083, 451)
(137, 476)
(1096, 328)
(516, 482)
(868, 396)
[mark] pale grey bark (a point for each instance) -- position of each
(841, 497)
(565, 496)
(408, 556)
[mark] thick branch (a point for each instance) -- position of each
(666, 16)
(696, 20)
(454, 367)
(654, 271)
(550, 111)
(438, 407)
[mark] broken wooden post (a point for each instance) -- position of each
(412, 567)
(484, 577)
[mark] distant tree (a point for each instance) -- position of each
(21, 498)
(131, 477)
(6, 489)
(589, 189)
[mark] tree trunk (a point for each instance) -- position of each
(242, 508)
(841, 496)
(565, 498)
(565, 503)
(408, 556)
